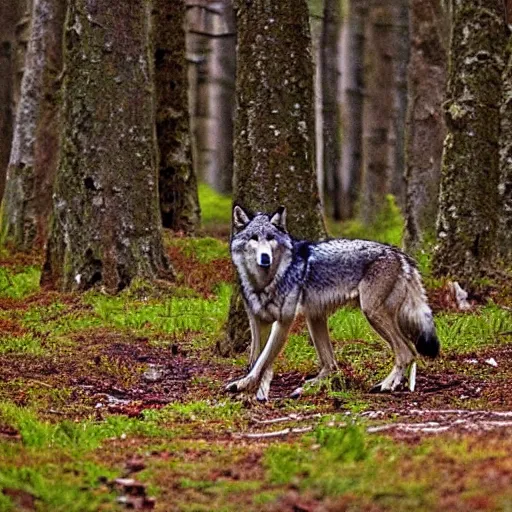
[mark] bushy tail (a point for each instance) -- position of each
(415, 318)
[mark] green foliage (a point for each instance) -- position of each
(205, 249)
(468, 332)
(74, 489)
(388, 226)
(75, 436)
(177, 314)
(201, 411)
(215, 207)
(26, 344)
(19, 284)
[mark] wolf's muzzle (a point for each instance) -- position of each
(264, 260)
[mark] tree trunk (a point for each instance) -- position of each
(211, 40)
(274, 129)
(402, 44)
(426, 127)
(468, 199)
(504, 235)
(35, 146)
(378, 108)
(106, 227)
(179, 203)
(22, 32)
(330, 79)
(352, 86)
(10, 14)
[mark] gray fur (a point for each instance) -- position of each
(315, 279)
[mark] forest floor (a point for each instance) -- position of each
(114, 403)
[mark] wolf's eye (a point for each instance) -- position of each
(270, 238)
(254, 237)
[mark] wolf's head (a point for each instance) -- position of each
(260, 244)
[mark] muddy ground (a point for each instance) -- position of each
(461, 399)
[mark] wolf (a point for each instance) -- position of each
(281, 277)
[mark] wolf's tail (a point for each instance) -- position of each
(415, 318)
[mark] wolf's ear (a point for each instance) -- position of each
(240, 218)
(279, 218)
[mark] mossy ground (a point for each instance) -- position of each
(95, 387)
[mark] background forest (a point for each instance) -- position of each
(128, 129)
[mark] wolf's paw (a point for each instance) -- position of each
(244, 384)
(396, 379)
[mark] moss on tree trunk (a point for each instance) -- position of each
(33, 160)
(274, 129)
(106, 226)
(468, 201)
(179, 203)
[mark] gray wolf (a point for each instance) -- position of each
(281, 277)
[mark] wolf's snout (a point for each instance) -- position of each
(264, 260)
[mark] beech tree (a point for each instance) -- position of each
(274, 129)
(179, 203)
(33, 159)
(106, 227)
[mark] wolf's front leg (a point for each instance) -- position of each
(263, 364)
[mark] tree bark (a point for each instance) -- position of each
(179, 203)
(27, 202)
(352, 86)
(402, 44)
(274, 129)
(211, 41)
(426, 127)
(504, 235)
(330, 81)
(378, 109)
(106, 227)
(10, 14)
(468, 199)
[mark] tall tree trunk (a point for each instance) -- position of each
(330, 80)
(401, 38)
(468, 199)
(10, 14)
(274, 130)
(504, 235)
(426, 127)
(21, 43)
(106, 227)
(378, 108)
(33, 160)
(179, 203)
(352, 86)
(211, 40)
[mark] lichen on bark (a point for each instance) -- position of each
(274, 129)
(106, 227)
(467, 219)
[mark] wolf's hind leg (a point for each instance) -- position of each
(381, 295)
(319, 332)
(383, 323)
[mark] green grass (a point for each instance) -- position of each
(387, 228)
(215, 207)
(18, 284)
(25, 344)
(204, 249)
(466, 332)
